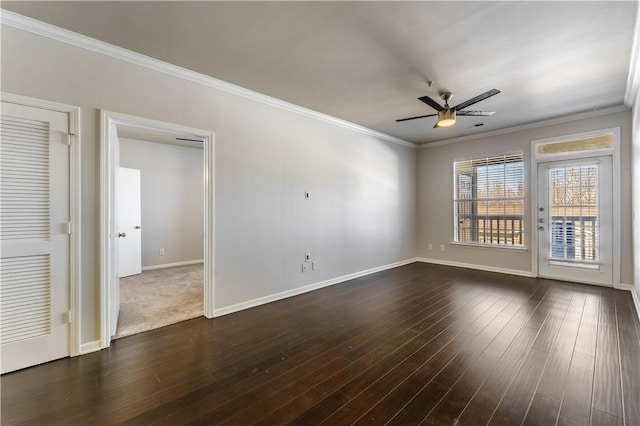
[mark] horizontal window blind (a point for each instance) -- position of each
(489, 200)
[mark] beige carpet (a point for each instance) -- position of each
(160, 297)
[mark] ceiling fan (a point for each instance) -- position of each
(446, 114)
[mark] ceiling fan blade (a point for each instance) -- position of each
(477, 99)
(433, 104)
(415, 118)
(476, 113)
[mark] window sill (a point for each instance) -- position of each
(490, 246)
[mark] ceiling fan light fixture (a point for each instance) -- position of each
(446, 118)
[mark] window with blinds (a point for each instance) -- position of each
(489, 200)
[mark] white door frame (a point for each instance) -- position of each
(75, 264)
(615, 164)
(108, 233)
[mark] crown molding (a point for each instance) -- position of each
(528, 126)
(633, 80)
(84, 42)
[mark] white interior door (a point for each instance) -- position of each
(129, 229)
(575, 220)
(34, 236)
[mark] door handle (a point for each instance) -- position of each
(137, 227)
(540, 228)
(541, 220)
(121, 235)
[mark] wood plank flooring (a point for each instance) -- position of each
(419, 344)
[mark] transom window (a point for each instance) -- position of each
(489, 200)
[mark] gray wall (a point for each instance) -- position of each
(369, 205)
(435, 192)
(362, 213)
(172, 199)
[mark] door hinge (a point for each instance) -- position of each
(68, 228)
(69, 136)
(68, 317)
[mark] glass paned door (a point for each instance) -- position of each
(575, 220)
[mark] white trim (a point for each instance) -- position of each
(69, 37)
(89, 347)
(533, 209)
(107, 176)
(633, 80)
(455, 201)
(300, 290)
(617, 206)
(171, 265)
(634, 295)
(534, 125)
(209, 144)
(75, 211)
(36, 102)
(478, 267)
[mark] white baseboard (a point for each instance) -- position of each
(636, 300)
(634, 295)
(171, 265)
(628, 287)
(89, 347)
(478, 267)
(300, 290)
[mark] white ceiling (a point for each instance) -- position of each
(367, 62)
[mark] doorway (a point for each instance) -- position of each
(575, 220)
(160, 221)
(576, 197)
(112, 124)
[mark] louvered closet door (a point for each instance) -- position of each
(34, 256)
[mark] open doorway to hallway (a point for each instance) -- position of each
(160, 221)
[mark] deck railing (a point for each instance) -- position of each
(572, 237)
(503, 230)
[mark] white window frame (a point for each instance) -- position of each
(525, 220)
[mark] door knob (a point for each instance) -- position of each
(541, 220)
(121, 235)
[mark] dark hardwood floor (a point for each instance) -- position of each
(419, 344)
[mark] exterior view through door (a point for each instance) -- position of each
(575, 216)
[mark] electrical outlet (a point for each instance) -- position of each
(430, 246)
(304, 267)
(441, 247)
(314, 265)
(307, 257)
(161, 252)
